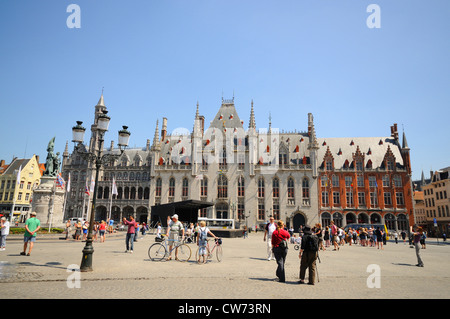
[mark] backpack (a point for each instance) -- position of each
(203, 234)
(312, 243)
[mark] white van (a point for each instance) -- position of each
(75, 220)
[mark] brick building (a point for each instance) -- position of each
(365, 180)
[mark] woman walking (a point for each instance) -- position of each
(279, 236)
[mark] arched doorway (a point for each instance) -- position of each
(350, 218)
(222, 210)
(402, 222)
(326, 219)
(298, 220)
(375, 218)
(363, 218)
(115, 214)
(142, 214)
(128, 211)
(100, 213)
(337, 218)
(390, 221)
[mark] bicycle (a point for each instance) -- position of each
(217, 247)
(159, 251)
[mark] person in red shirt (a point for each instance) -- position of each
(130, 233)
(279, 251)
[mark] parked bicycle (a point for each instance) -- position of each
(159, 251)
(217, 249)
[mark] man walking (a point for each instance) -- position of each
(416, 234)
(4, 225)
(308, 255)
(130, 233)
(270, 227)
(32, 225)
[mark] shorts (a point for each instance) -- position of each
(102, 232)
(173, 237)
(202, 250)
(27, 239)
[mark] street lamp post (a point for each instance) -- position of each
(98, 159)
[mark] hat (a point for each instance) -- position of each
(3, 218)
(307, 228)
(175, 216)
(33, 213)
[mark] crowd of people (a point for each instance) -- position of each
(329, 237)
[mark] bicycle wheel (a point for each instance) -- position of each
(184, 252)
(157, 252)
(219, 253)
(208, 253)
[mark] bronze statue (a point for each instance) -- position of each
(52, 163)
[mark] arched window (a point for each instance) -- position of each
(305, 191)
(261, 187)
(100, 192)
(158, 187)
(204, 187)
(222, 211)
(119, 193)
(171, 187)
(140, 193)
(185, 188)
(276, 188)
(106, 192)
(133, 193)
(146, 193)
(290, 186)
(222, 187)
(241, 187)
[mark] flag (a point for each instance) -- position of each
(68, 183)
(60, 181)
(18, 175)
(86, 189)
(91, 189)
(114, 187)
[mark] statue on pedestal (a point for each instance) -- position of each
(53, 162)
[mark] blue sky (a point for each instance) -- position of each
(158, 58)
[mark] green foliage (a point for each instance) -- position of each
(43, 230)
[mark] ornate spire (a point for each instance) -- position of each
(252, 123)
(66, 150)
(156, 144)
(404, 143)
(270, 123)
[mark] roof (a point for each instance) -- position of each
(373, 148)
(226, 117)
(15, 165)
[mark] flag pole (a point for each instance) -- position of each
(110, 201)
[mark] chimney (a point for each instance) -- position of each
(147, 147)
(37, 158)
(164, 129)
(2, 162)
(112, 146)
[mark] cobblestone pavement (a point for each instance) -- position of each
(244, 272)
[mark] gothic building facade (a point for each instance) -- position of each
(245, 173)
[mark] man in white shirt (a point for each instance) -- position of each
(270, 227)
(4, 232)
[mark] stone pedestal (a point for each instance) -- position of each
(48, 203)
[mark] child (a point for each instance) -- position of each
(202, 234)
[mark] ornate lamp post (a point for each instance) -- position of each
(98, 159)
